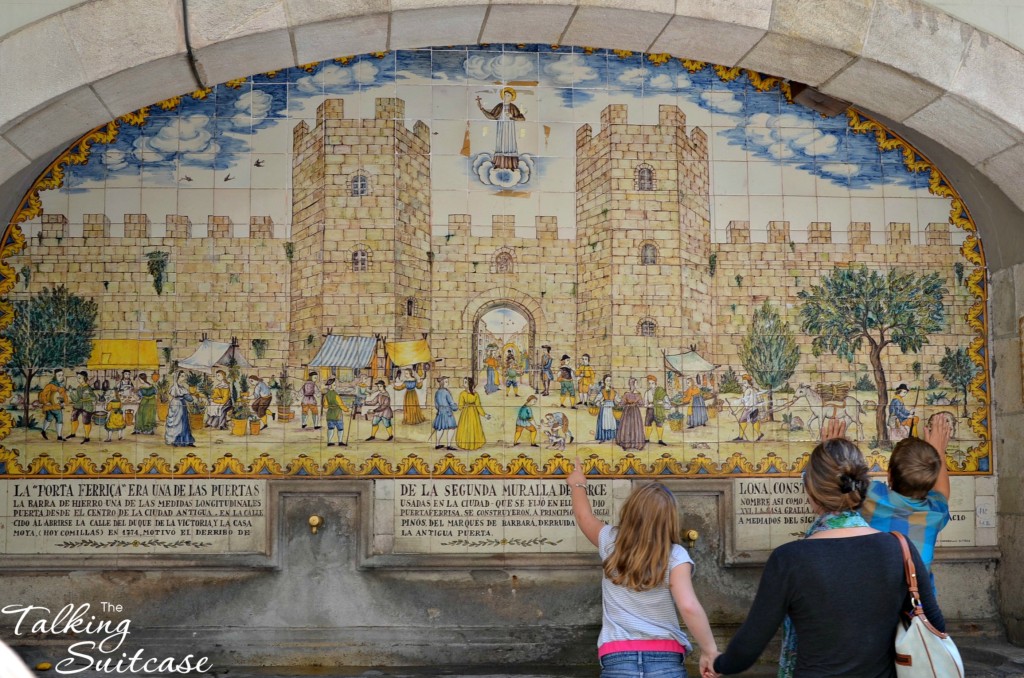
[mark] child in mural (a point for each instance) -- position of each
(115, 417)
(219, 409)
(312, 396)
(646, 585)
(260, 396)
(491, 365)
(566, 384)
(126, 392)
(630, 435)
(382, 412)
(655, 402)
(470, 432)
(585, 376)
(916, 500)
(898, 410)
(751, 414)
(511, 379)
(177, 430)
(83, 404)
(52, 398)
(362, 393)
(506, 150)
(606, 422)
(556, 427)
(696, 408)
(334, 412)
(412, 414)
(444, 421)
(524, 422)
(145, 418)
(546, 375)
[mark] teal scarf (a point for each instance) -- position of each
(826, 521)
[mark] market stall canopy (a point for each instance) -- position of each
(354, 353)
(405, 353)
(123, 354)
(214, 354)
(688, 362)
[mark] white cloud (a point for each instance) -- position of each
(252, 108)
(841, 169)
(633, 76)
(786, 136)
(570, 69)
(191, 134)
(663, 81)
(722, 102)
(114, 159)
(333, 77)
(503, 67)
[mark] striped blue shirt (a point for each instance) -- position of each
(639, 615)
(920, 520)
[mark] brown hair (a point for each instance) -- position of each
(648, 526)
(836, 476)
(913, 468)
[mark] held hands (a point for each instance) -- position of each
(833, 428)
(707, 664)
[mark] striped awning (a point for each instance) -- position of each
(350, 352)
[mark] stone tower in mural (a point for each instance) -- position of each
(643, 238)
(360, 227)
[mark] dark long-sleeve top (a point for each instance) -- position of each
(844, 595)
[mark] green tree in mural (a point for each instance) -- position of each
(958, 369)
(852, 306)
(769, 352)
(52, 329)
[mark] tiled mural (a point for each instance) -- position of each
(485, 261)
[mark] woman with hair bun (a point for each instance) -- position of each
(840, 590)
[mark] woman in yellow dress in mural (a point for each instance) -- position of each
(411, 412)
(470, 433)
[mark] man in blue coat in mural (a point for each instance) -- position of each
(444, 421)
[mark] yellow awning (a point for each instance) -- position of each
(405, 353)
(123, 354)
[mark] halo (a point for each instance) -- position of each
(510, 91)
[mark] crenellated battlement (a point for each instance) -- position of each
(897, 233)
(141, 227)
(503, 227)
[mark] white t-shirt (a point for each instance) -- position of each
(11, 665)
(639, 615)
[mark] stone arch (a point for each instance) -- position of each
(863, 58)
(522, 303)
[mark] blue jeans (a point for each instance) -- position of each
(643, 665)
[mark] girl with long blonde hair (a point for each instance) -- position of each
(646, 585)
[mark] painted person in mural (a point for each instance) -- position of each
(334, 412)
(831, 628)
(696, 408)
(444, 420)
(51, 399)
(566, 384)
(382, 413)
(546, 374)
(83, 405)
(491, 366)
(506, 113)
(145, 417)
(585, 377)
(261, 396)
(116, 421)
(900, 414)
(751, 414)
(606, 424)
(177, 429)
(646, 584)
(469, 435)
(511, 378)
(556, 428)
(525, 422)
(630, 435)
(412, 414)
(656, 404)
(312, 396)
(219, 409)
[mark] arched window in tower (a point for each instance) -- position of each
(410, 307)
(643, 178)
(647, 328)
(360, 260)
(360, 184)
(649, 254)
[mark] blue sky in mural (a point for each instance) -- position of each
(215, 133)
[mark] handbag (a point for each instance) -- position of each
(922, 651)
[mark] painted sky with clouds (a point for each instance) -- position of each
(770, 160)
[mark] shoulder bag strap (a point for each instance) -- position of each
(908, 568)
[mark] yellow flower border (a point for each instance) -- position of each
(375, 466)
